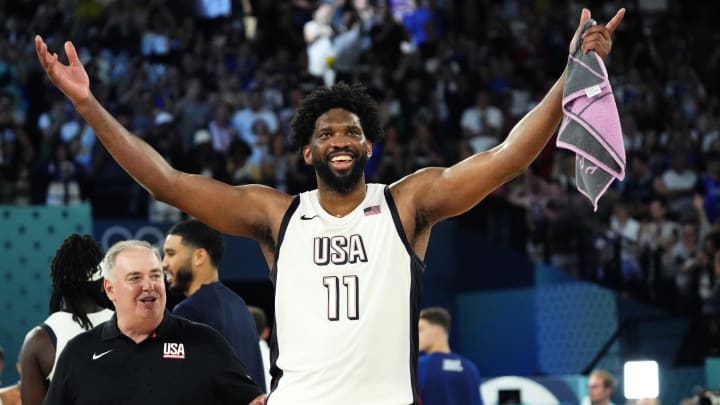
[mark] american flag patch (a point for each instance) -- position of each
(374, 210)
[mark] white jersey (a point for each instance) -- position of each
(62, 328)
(347, 294)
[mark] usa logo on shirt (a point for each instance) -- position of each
(173, 351)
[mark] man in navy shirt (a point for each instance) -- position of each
(444, 377)
(192, 252)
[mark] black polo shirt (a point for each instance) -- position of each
(182, 362)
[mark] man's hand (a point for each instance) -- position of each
(596, 38)
(71, 79)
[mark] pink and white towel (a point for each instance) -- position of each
(591, 124)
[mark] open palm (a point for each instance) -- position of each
(71, 79)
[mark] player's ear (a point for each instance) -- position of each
(369, 149)
(199, 255)
(307, 155)
(109, 291)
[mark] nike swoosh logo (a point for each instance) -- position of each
(97, 356)
(307, 218)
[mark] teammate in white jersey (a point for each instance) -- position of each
(76, 304)
(339, 282)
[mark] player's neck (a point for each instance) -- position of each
(340, 204)
(201, 278)
(440, 347)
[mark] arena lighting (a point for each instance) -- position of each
(641, 379)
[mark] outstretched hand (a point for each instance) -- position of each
(71, 79)
(598, 37)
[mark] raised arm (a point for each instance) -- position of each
(439, 193)
(249, 210)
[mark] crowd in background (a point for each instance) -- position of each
(213, 86)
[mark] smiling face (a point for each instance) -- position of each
(177, 264)
(137, 288)
(338, 150)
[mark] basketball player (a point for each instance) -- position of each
(76, 305)
(346, 258)
(445, 377)
(192, 253)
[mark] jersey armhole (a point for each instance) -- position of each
(400, 230)
(51, 333)
(281, 234)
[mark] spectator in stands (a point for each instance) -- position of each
(683, 256)
(710, 187)
(482, 123)
(657, 236)
(638, 188)
(222, 131)
(240, 168)
(244, 118)
(624, 237)
(424, 150)
(276, 164)
(206, 160)
(65, 176)
(16, 149)
(677, 183)
(318, 34)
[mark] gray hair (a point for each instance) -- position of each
(108, 263)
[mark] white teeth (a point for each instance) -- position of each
(341, 158)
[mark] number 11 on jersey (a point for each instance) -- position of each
(332, 283)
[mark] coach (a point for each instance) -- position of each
(144, 354)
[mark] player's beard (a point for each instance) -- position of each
(342, 183)
(182, 279)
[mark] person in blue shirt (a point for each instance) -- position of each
(191, 255)
(444, 377)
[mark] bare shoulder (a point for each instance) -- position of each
(37, 336)
(273, 202)
(409, 191)
(242, 210)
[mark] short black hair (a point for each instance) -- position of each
(437, 316)
(71, 270)
(350, 97)
(197, 234)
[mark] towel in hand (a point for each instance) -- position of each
(591, 124)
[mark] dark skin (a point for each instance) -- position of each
(37, 358)
(422, 198)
